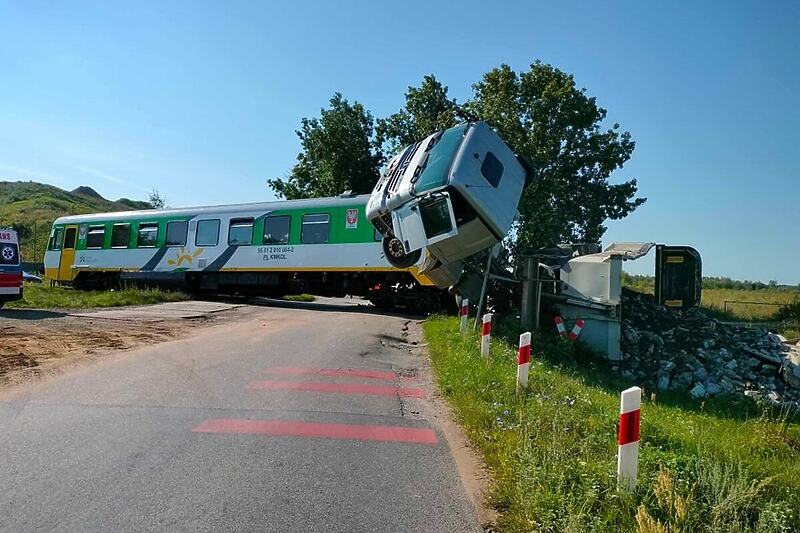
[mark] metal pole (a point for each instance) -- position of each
(528, 297)
(538, 289)
(483, 288)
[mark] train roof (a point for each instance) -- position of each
(309, 203)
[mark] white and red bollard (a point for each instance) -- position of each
(628, 455)
(464, 315)
(523, 361)
(486, 334)
(576, 331)
(560, 326)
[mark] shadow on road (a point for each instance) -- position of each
(30, 314)
(338, 305)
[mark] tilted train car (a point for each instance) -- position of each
(452, 195)
(10, 267)
(325, 246)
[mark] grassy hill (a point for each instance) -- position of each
(35, 205)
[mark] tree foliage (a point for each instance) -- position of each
(338, 154)
(427, 109)
(156, 200)
(545, 118)
(542, 115)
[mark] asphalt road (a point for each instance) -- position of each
(280, 420)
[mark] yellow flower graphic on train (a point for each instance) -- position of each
(184, 256)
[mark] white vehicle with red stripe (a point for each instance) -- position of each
(10, 267)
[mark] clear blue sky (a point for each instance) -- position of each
(201, 100)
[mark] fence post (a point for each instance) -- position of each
(464, 314)
(523, 361)
(628, 453)
(486, 333)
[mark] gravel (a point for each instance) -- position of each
(692, 352)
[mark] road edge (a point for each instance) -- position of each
(475, 476)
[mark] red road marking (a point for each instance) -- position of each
(345, 388)
(339, 372)
(321, 430)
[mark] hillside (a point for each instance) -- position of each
(35, 206)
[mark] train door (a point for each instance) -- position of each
(67, 254)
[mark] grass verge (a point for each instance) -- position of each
(300, 298)
(722, 465)
(43, 296)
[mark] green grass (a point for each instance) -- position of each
(722, 465)
(43, 296)
(300, 298)
(773, 300)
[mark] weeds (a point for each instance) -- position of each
(42, 296)
(725, 466)
(300, 297)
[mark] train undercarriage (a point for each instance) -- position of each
(385, 290)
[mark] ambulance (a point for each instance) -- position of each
(10, 267)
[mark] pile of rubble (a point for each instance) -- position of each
(690, 351)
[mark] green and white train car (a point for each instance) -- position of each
(325, 246)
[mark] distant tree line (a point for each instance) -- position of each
(540, 112)
(709, 282)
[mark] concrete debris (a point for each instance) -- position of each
(690, 351)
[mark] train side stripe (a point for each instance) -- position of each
(221, 260)
(155, 260)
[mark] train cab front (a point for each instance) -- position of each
(10, 267)
(453, 194)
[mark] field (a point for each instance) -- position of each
(721, 465)
(778, 309)
(43, 296)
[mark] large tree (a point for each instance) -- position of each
(545, 118)
(427, 109)
(338, 154)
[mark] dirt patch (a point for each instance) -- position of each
(32, 345)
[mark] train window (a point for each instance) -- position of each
(492, 169)
(95, 238)
(378, 237)
(176, 233)
(316, 228)
(55, 240)
(148, 235)
(276, 229)
(240, 232)
(120, 235)
(207, 233)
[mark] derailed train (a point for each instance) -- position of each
(439, 201)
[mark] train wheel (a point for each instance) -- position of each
(397, 255)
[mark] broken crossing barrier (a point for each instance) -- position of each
(560, 326)
(576, 331)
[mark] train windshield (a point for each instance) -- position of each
(441, 155)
